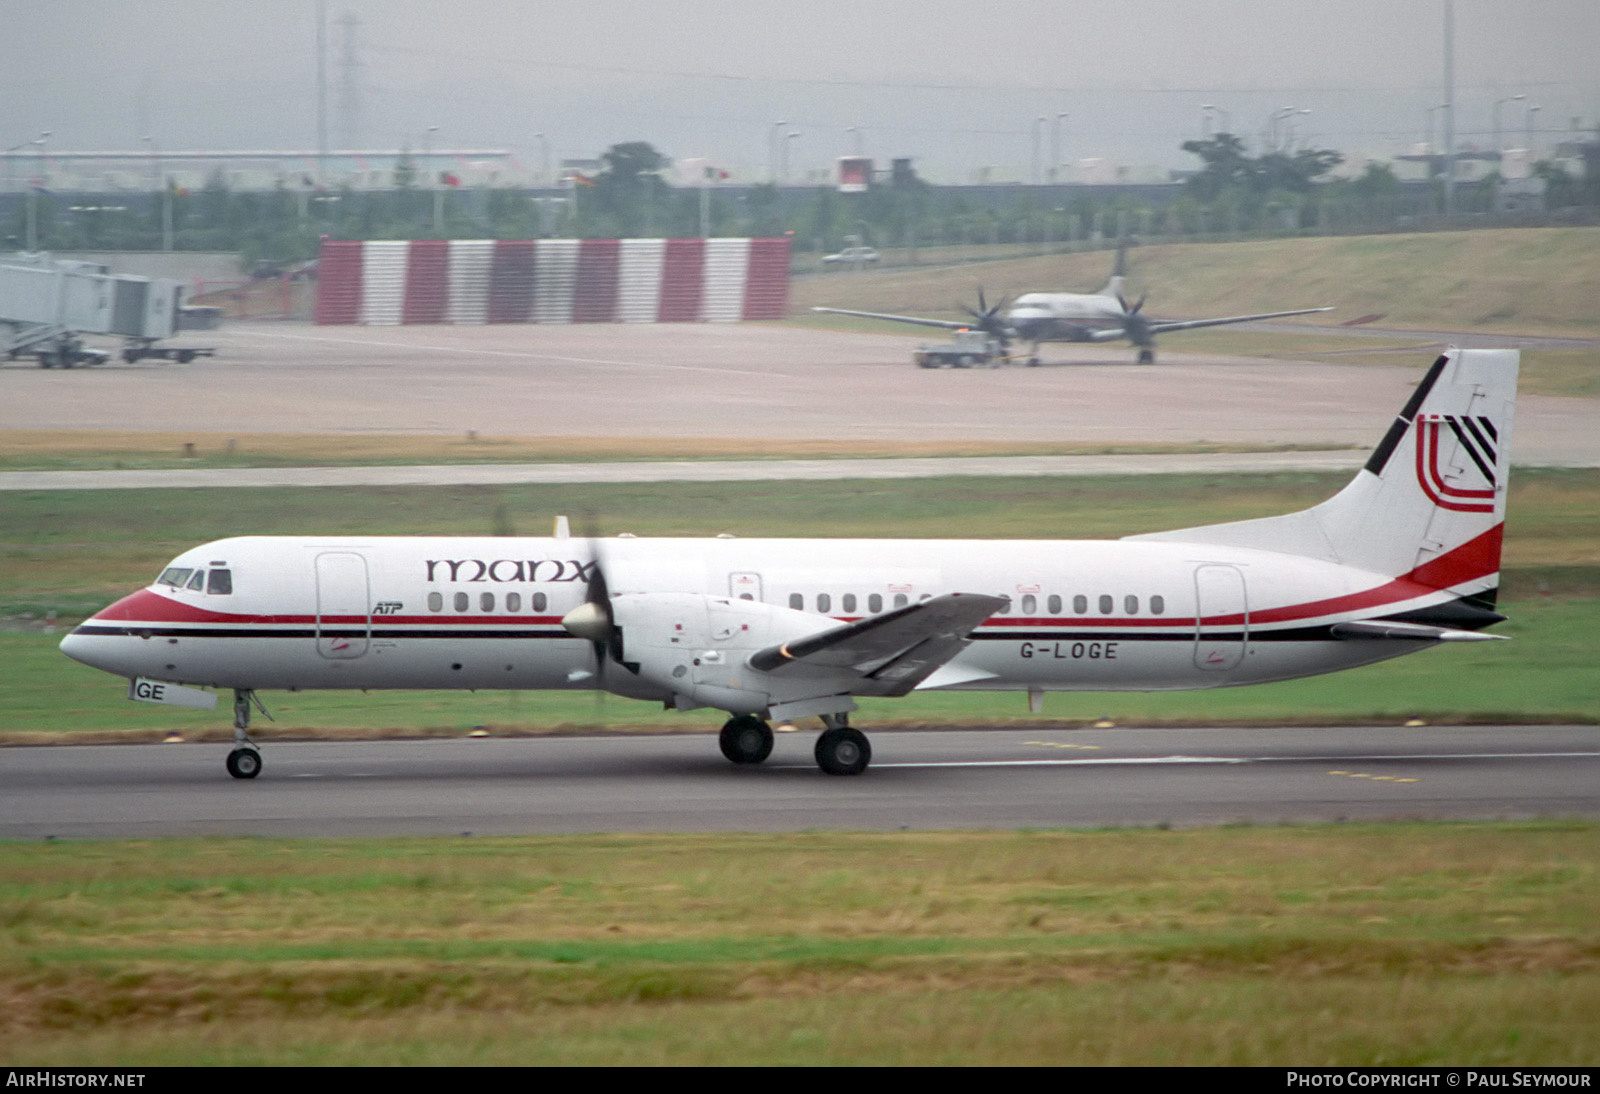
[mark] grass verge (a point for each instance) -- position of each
(1398, 945)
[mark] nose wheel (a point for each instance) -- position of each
(244, 762)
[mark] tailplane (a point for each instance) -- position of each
(1429, 505)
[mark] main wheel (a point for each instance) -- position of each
(244, 763)
(1147, 357)
(843, 751)
(746, 739)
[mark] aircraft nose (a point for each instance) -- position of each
(96, 651)
(74, 646)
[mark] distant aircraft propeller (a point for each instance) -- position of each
(989, 321)
(1136, 328)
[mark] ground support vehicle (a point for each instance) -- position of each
(969, 349)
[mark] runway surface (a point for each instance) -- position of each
(971, 779)
(749, 380)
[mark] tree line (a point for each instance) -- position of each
(1231, 193)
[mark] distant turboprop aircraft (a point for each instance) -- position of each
(1103, 316)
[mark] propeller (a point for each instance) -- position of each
(989, 321)
(594, 619)
(1135, 325)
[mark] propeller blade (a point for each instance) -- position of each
(594, 619)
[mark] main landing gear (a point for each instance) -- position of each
(244, 762)
(841, 750)
(746, 739)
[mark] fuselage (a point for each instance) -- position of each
(420, 612)
(1064, 317)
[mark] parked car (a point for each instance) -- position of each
(851, 256)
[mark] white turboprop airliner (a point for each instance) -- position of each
(1406, 556)
(1104, 316)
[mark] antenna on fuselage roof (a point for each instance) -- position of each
(563, 529)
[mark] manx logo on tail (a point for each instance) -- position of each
(1478, 438)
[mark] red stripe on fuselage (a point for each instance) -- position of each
(1477, 558)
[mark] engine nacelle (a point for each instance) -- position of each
(698, 647)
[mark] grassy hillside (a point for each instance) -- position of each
(1525, 281)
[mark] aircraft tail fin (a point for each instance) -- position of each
(1429, 505)
(1115, 285)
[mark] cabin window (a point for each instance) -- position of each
(1030, 604)
(797, 602)
(198, 581)
(1107, 604)
(1130, 604)
(875, 603)
(1080, 604)
(848, 602)
(513, 602)
(461, 602)
(540, 602)
(486, 602)
(436, 602)
(900, 600)
(1053, 605)
(1157, 605)
(220, 582)
(175, 576)
(824, 603)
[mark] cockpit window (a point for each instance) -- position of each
(220, 581)
(175, 576)
(198, 581)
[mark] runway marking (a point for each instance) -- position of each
(509, 353)
(1135, 761)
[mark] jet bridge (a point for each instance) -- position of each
(46, 307)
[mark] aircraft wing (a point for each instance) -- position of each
(892, 652)
(1194, 324)
(945, 324)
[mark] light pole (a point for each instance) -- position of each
(1206, 112)
(438, 195)
(1498, 103)
(792, 135)
(1037, 130)
(1289, 129)
(1533, 153)
(1272, 125)
(33, 192)
(774, 135)
(1055, 144)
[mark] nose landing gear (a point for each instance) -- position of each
(244, 762)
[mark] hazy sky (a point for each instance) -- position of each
(956, 85)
